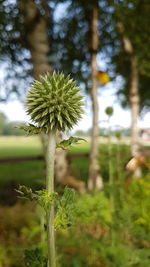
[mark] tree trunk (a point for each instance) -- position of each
(94, 181)
(134, 104)
(36, 37)
(134, 98)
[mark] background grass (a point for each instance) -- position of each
(32, 172)
(19, 146)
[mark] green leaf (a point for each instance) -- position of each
(44, 199)
(41, 196)
(66, 208)
(26, 192)
(32, 129)
(68, 142)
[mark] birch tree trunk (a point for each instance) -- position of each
(134, 104)
(94, 181)
(134, 98)
(36, 37)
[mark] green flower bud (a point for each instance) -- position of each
(54, 102)
(109, 111)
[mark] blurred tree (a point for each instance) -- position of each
(133, 15)
(21, 51)
(80, 133)
(78, 47)
(11, 128)
(132, 61)
(95, 180)
(134, 98)
(3, 122)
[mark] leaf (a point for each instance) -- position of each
(68, 142)
(41, 196)
(26, 192)
(32, 129)
(66, 208)
(44, 199)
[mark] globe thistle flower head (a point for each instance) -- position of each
(54, 102)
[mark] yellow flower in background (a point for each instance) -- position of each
(102, 77)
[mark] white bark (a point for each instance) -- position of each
(133, 97)
(94, 181)
(37, 38)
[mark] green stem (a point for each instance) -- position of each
(111, 183)
(110, 167)
(50, 159)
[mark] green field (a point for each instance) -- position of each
(29, 172)
(19, 146)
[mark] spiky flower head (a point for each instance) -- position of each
(54, 102)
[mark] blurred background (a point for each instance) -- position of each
(105, 46)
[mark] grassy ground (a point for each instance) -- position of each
(28, 172)
(32, 172)
(19, 146)
(22, 172)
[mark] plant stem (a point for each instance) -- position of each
(50, 158)
(111, 181)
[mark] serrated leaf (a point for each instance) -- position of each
(68, 142)
(66, 207)
(32, 129)
(26, 192)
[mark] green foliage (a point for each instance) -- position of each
(3, 121)
(44, 199)
(139, 200)
(69, 142)
(54, 102)
(41, 196)
(93, 209)
(66, 207)
(34, 258)
(26, 192)
(131, 14)
(14, 221)
(9, 128)
(88, 241)
(12, 128)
